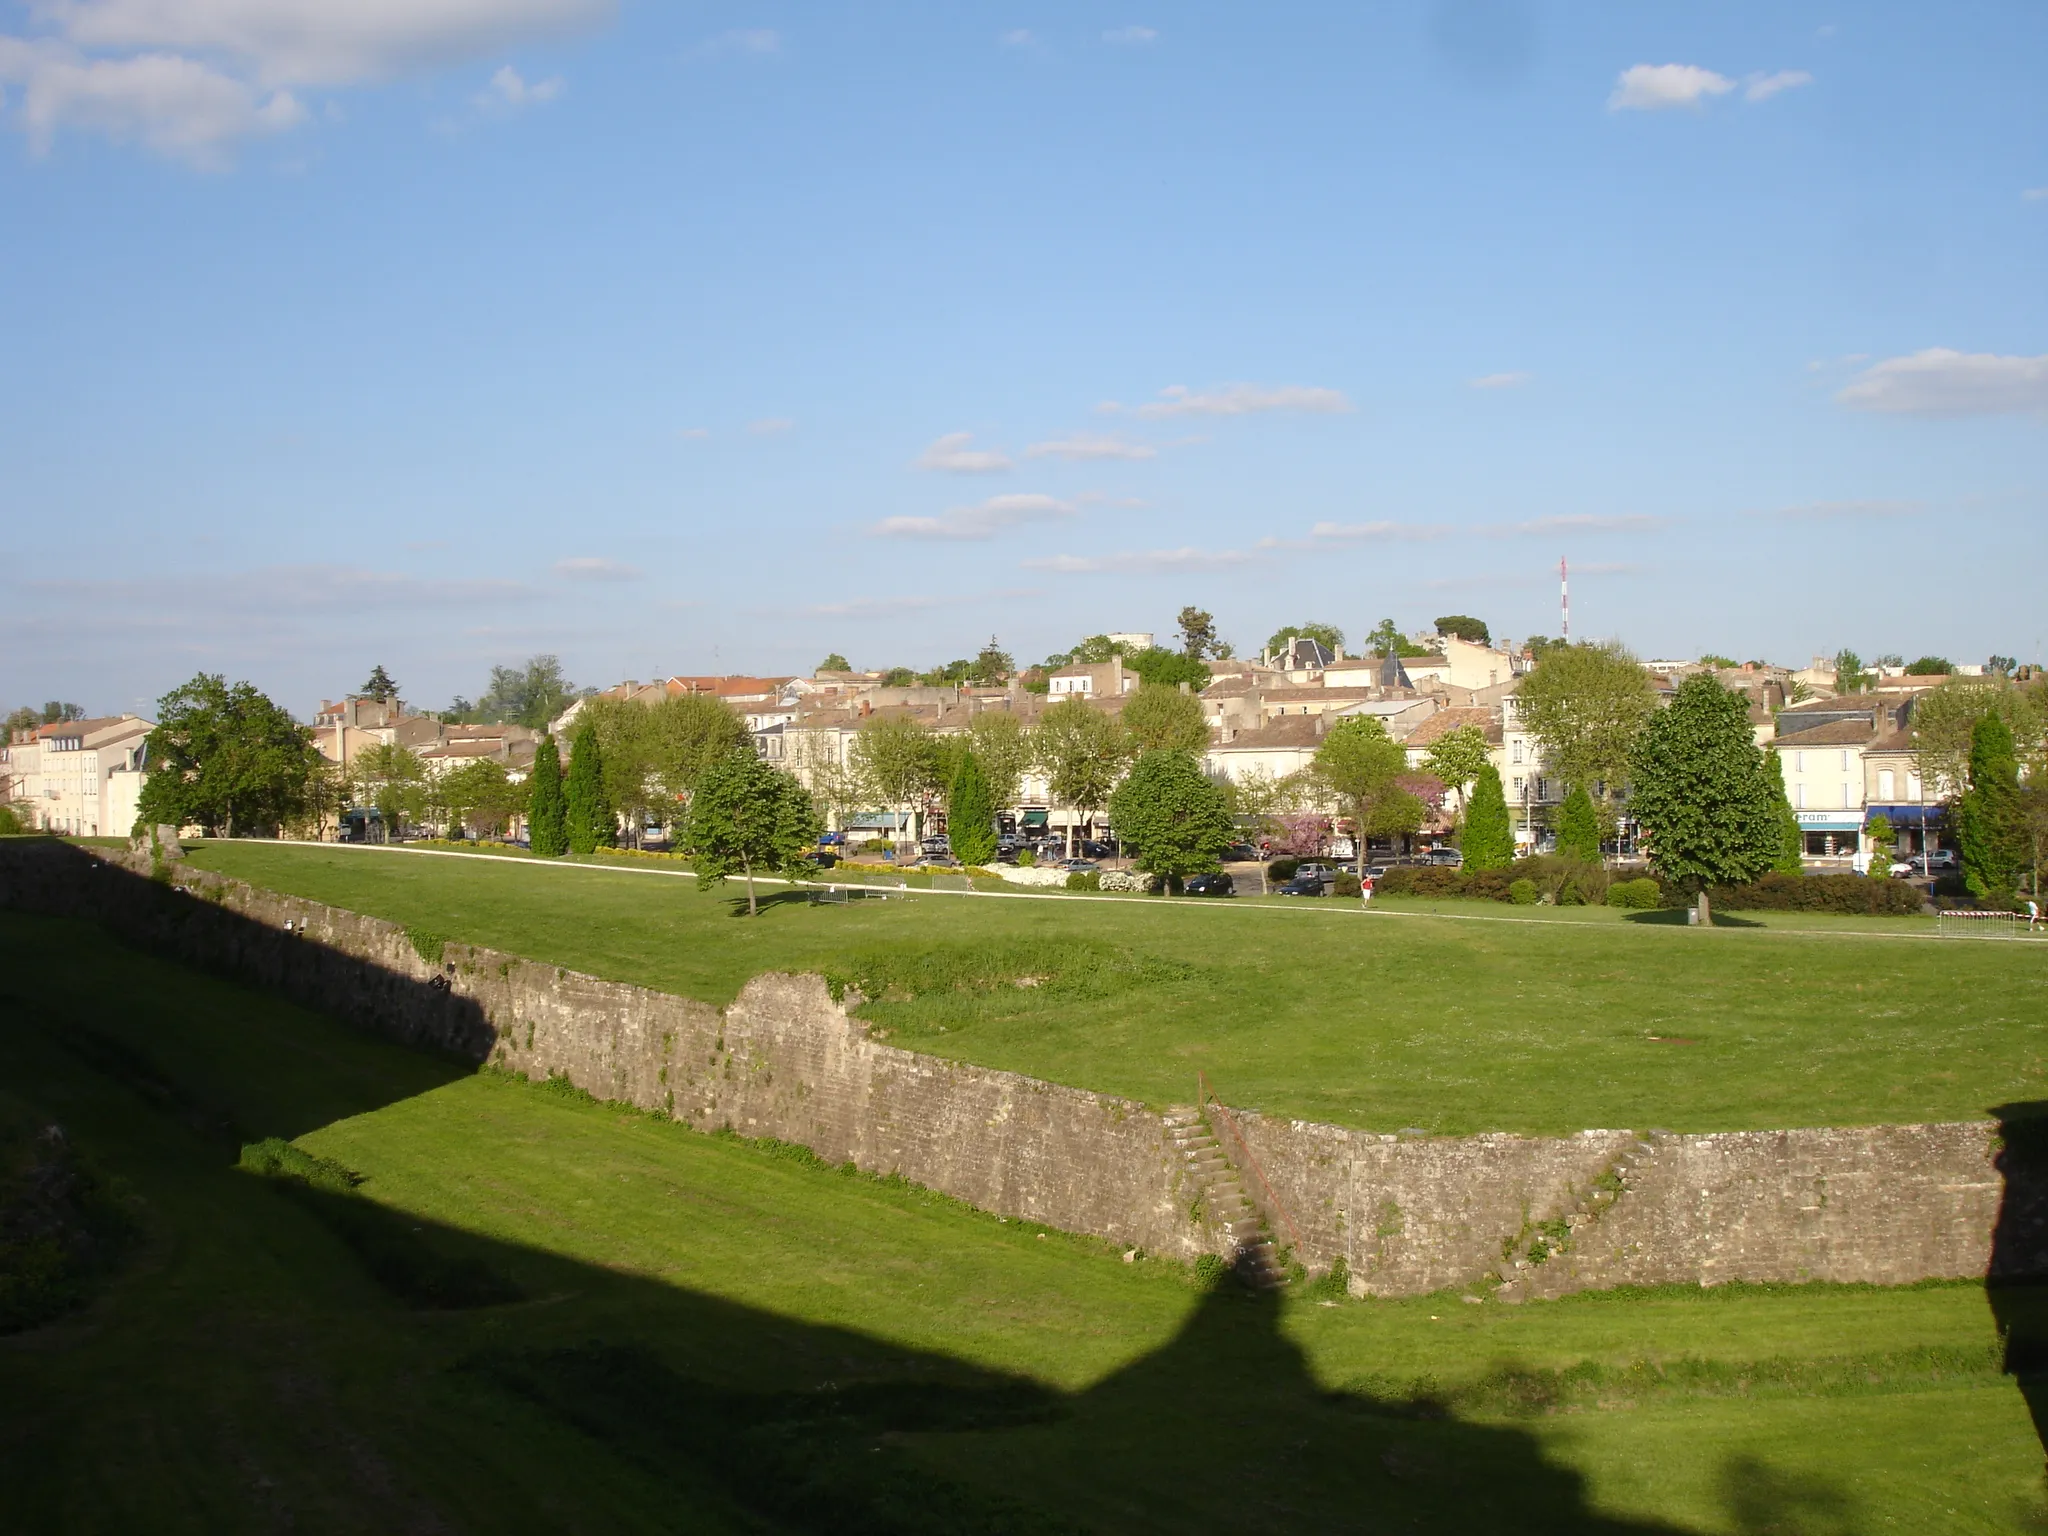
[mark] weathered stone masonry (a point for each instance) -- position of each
(1408, 1214)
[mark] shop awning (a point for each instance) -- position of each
(1830, 821)
(1036, 818)
(1912, 815)
(876, 821)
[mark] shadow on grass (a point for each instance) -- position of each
(709, 1413)
(2015, 1283)
(1681, 917)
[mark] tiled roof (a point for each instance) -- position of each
(1445, 721)
(1840, 733)
(1289, 731)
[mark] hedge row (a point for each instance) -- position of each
(1853, 894)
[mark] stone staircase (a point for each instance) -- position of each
(1224, 1203)
(1521, 1272)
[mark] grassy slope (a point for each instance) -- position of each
(247, 1375)
(1376, 1021)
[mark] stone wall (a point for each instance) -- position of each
(1536, 1216)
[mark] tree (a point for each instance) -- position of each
(2033, 810)
(971, 813)
(395, 780)
(896, 761)
(1701, 791)
(1791, 855)
(1386, 640)
(1328, 636)
(1850, 676)
(1945, 720)
(58, 712)
(993, 665)
(1465, 627)
(380, 687)
(1488, 841)
(1584, 704)
(1083, 751)
(547, 831)
(626, 739)
(899, 677)
(588, 816)
(1717, 661)
(531, 695)
(1171, 817)
(1165, 720)
(1003, 748)
(1197, 633)
(686, 735)
(749, 818)
(1168, 669)
(2001, 666)
(22, 719)
(480, 795)
(1359, 762)
(835, 663)
(1458, 757)
(1578, 827)
(1988, 818)
(1929, 666)
(227, 759)
(1879, 831)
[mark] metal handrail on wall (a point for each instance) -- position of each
(1208, 1097)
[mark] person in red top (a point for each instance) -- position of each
(1365, 889)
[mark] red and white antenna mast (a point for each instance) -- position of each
(1564, 597)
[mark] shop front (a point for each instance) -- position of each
(1831, 835)
(1918, 828)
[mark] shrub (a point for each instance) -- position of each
(1635, 895)
(1091, 880)
(1026, 859)
(1210, 1271)
(1851, 894)
(1346, 885)
(1282, 870)
(10, 822)
(1485, 884)
(1523, 893)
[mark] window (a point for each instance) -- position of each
(1518, 779)
(1799, 796)
(1799, 762)
(1847, 803)
(1913, 785)
(1518, 758)
(1886, 784)
(1845, 762)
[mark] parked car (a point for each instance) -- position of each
(1243, 853)
(937, 861)
(1211, 885)
(1905, 871)
(1301, 885)
(1079, 866)
(1096, 849)
(939, 844)
(1444, 858)
(1316, 869)
(1375, 871)
(1941, 860)
(820, 859)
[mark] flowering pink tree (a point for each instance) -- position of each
(1301, 836)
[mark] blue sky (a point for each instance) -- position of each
(692, 338)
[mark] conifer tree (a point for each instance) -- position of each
(588, 815)
(1488, 841)
(1578, 827)
(1988, 819)
(546, 830)
(971, 813)
(1791, 839)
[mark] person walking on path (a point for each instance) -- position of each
(2033, 914)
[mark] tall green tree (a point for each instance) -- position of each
(834, 663)
(1197, 633)
(1851, 676)
(971, 813)
(1161, 668)
(1387, 640)
(1002, 746)
(1701, 790)
(395, 781)
(380, 686)
(1791, 855)
(226, 759)
(629, 739)
(992, 665)
(480, 795)
(1173, 819)
(547, 817)
(1578, 827)
(589, 819)
(688, 734)
(1944, 723)
(897, 762)
(750, 819)
(1585, 704)
(1990, 829)
(1458, 757)
(531, 695)
(1165, 720)
(1488, 841)
(1083, 752)
(1359, 763)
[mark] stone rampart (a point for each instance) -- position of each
(1540, 1216)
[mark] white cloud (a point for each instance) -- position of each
(1941, 381)
(1131, 35)
(693, 434)
(1844, 511)
(755, 40)
(1142, 562)
(1371, 533)
(1657, 87)
(1090, 446)
(318, 42)
(1501, 380)
(595, 568)
(510, 90)
(983, 520)
(951, 454)
(771, 426)
(1235, 400)
(1017, 37)
(2035, 194)
(1763, 87)
(178, 107)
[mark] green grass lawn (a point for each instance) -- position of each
(1382, 1020)
(707, 1328)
